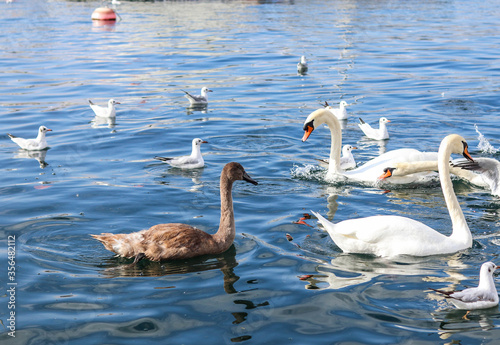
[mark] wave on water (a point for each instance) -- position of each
(484, 145)
(308, 172)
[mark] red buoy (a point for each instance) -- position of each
(104, 13)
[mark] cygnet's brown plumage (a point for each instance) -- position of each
(181, 241)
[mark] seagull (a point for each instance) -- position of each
(197, 101)
(32, 144)
(347, 160)
(372, 133)
(195, 160)
(481, 297)
(110, 111)
(340, 112)
(302, 65)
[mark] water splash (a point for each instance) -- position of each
(308, 172)
(484, 145)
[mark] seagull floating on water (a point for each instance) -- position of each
(302, 65)
(110, 111)
(380, 133)
(193, 161)
(340, 112)
(483, 296)
(32, 144)
(198, 101)
(347, 160)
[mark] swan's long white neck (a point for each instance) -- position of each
(336, 143)
(461, 232)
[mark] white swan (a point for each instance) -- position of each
(198, 101)
(347, 160)
(390, 236)
(371, 170)
(109, 111)
(193, 161)
(483, 172)
(380, 133)
(39, 143)
(302, 65)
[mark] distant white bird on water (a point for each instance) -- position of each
(380, 133)
(302, 65)
(39, 143)
(340, 112)
(198, 101)
(193, 161)
(110, 111)
(347, 160)
(483, 296)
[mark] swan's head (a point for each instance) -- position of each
(388, 172)
(487, 269)
(384, 120)
(457, 144)
(198, 142)
(235, 171)
(112, 102)
(315, 119)
(44, 129)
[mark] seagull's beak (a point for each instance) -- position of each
(204, 142)
(388, 120)
(49, 130)
(117, 103)
(387, 173)
(354, 148)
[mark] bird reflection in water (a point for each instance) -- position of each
(38, 155)
(226, 262)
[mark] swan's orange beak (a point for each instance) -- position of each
(308, 128)
(466, 153)
(387, 173)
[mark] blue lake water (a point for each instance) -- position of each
(431, 67)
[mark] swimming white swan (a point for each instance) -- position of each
(371, 170)
(193, 161)
(302, 65)
(390, 236)
(109, 111)
(483, 172)
(380, 133)
(198, 101)
(483, 296)
(39, 143)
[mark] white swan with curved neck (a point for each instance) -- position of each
(390, 236)
(371, 170)
(408, 168)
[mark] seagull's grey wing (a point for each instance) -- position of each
(472, 295)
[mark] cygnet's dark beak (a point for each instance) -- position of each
(247, 178)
